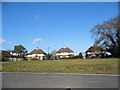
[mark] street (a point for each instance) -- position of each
(58, 80)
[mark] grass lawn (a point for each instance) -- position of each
(96, 66)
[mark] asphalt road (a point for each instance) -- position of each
(57, 80)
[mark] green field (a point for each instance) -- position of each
(96, 66)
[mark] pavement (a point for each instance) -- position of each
(58, 80)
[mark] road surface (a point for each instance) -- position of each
(58, 80)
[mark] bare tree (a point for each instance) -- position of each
(53, 52)
(107, 35)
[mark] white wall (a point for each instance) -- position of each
(33, 55)
(64, 53)
(13, 53)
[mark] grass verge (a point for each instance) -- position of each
(92, 66)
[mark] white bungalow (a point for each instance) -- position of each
(37, 53)
(64, 53)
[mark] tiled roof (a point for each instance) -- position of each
(94, 48)
(65, 49)
(5, 53)
(37, 51)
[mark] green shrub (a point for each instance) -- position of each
(34, 59)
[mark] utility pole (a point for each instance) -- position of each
(48, 53)
(48, 49)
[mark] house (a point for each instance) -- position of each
(5, 55)
(96, 52)
(9, 56)
(64, 52)
(15, 56)
(37, 53)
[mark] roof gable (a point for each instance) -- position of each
(65, 49)
(94, 48)
(37, 51)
